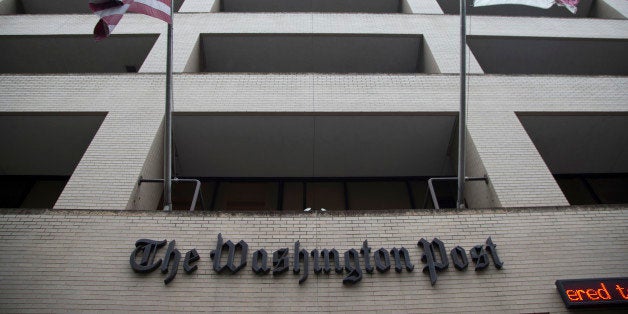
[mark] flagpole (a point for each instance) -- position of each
(168, 118)
(462, 128)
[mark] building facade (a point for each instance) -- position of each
(343, 106)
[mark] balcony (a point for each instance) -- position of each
(550, 56)
(586, 153)
(338, 6)
(337, 162)
(40, 153)
(318, 53)
(74, 54)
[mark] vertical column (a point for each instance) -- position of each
(517, 172)
(107, 174)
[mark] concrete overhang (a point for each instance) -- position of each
(543, 55)
(45, 144)
(318, 53)
(293, 145)
(74, 53)
(349, 6)
(580, 143)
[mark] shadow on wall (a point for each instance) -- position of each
(319, 53)
(41, 153)
(585, 153)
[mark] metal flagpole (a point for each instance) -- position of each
(462, 128)
(168, 119)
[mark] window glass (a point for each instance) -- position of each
(296, 194)
(576, 191)
(378, 195)
(328, 195)
(420, 194)
(30, 191)
(293, 196)
(13, 191)
(44, 194)
(246, 196)
(610, 190)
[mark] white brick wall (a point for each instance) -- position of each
(441, 32)
(78, 261)
(200, 6)
(106, 176)
(422, 7)
(108, 171)
(146, 196)
(478, 194)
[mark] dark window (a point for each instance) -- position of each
(345, 6)
(550, 56)
(587, 189)
(74, 54)
(30, 191)
(296, 194)
(316, 53)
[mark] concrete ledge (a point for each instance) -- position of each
(345, 213)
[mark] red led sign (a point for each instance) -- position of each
(593, 292)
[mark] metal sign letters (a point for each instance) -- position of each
(434, 257)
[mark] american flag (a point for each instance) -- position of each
(571, 5)
(111, 12)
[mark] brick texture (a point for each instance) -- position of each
(108, 171)
(106, 176)
(78, 261)
(200, 6)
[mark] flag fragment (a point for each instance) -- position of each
(571, 5)
(111, 12)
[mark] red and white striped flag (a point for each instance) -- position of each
(111, 12)
(571, 5)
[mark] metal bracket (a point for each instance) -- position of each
(430, 186)
(197, 189)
